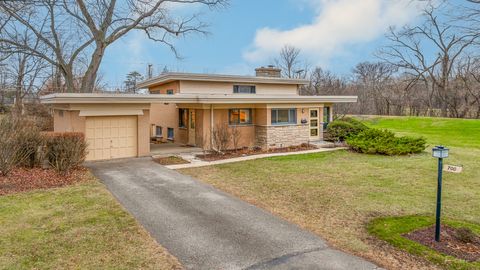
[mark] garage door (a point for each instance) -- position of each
(111, 137)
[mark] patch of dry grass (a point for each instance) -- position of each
(75, 227)
(336, 194)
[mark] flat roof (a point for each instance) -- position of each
(96, 98)
(177, 76)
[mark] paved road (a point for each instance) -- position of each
(208, 229)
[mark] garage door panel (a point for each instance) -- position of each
(111, 137)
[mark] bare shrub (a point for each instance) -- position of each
(13, 150)
(236, 136)
(66, 151)
(31, 141)
(221, 138)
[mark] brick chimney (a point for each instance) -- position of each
(269, 71)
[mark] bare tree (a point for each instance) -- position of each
(290, 63)
(221, 138)
(236, 135)
(27, 73)
(409, 50)
(374, 80)
(74, 35)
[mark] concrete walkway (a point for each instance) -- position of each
(196, 162)
(208, 229)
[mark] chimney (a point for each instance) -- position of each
(269, 71)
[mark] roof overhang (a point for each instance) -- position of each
(170, 77)
(74, 98)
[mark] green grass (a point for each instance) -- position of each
(76, 227)
(391, 230)
(337, 194)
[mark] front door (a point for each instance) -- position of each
(314, 124)
(191, 127)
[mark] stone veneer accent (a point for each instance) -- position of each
(281, 136)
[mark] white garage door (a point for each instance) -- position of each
(111, 137)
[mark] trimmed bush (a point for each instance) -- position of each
(339, 130)
(19, 141)
(66, 150)
(377, 141)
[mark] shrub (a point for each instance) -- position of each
(339, 130)
(31, 141)
(221, 138)
(16, 143)
(66, 151)
(4, 109)
(376, 141)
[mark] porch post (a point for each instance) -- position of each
(211, 126)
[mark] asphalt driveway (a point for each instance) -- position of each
(208, 229)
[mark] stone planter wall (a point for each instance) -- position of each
(281, 136)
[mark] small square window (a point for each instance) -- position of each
(170, 92)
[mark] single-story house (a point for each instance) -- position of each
(265, 110)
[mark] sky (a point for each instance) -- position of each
(332, 34)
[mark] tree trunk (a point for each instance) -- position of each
(90, 77)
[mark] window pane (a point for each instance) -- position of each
(314, 113)
(326, 114)
(245, 117)
(282, 116)
(159, 131)
(314, 132)
(314, 123)
(183, 117)
(234, 116)
(293, 116)
(170, 133)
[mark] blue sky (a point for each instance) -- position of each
(332, 34)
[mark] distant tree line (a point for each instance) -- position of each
(429, 69)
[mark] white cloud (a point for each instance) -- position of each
(338, 23)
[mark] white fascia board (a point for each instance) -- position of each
(66, 98)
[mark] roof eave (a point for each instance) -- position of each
(199, 99)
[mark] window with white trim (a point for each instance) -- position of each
(284, 116)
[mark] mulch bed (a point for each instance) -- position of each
(451, 242)
(250, 152)
(26, 179)
(170, 160)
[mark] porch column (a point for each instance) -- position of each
(211, 126)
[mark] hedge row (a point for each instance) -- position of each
(363, 139)
(22, 144)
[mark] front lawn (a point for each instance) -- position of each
(336, 194)
(75, 227)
